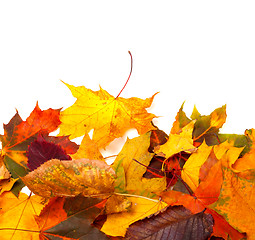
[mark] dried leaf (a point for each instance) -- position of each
(117, 204)
(71, 178)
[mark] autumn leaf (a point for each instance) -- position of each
(116, 204)
(18, 135)
(174, 223)
(7, 184)
(181, 120)
(117, 224)
(158, 137)
(227, 154)
(71, 218)
(130, 165)
(40, 151)
(17, 216)
(207, 127)
(4, 173)
(236, 202)
(88, 149)
(71, 178)
(52, 213)
(109, 117)
(191, 168)
(178, 142)
(237, 140)
(63, 218)
(247, 162)
(206, 193)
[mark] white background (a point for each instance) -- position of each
(201, 52)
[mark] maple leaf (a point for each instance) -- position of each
(17, 216)
(18, 135)
(205, 128)
(236, 202)
(71, 218)
(63, 218)
(177, 142)
(181, 120)
(205, 194)
(88, 149)
(109, 117)
(174, 223)
(71, 178)
(195, 204)
(191, 168)
(130, 165)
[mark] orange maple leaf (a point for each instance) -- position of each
(18, 134)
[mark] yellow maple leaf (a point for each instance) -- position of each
(130, 165)
(117, 224)
(227, 154)
(190, 172)
(109, 117)
(88, 149)
(17, 216)
(178, 142)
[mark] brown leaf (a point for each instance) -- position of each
(175, 223)
(71, 178)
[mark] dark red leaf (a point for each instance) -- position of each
(40, 151)
(175, 223)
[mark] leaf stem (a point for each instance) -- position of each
(137, 196)
(128, 76)
(203, 133)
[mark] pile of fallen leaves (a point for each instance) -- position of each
(193, 183)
